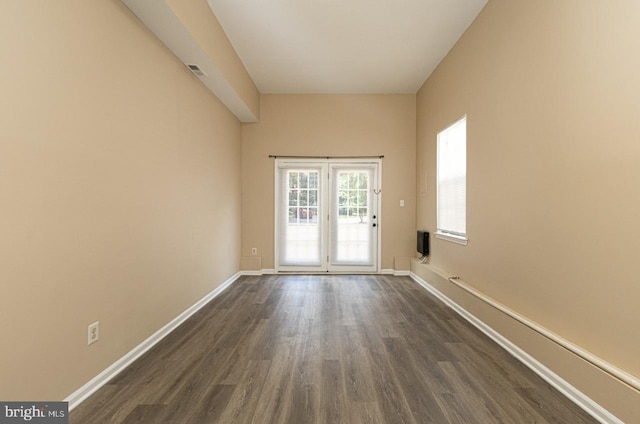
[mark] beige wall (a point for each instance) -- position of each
(331, 125)
(551, 92)
(119, 191)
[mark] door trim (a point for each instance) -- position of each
(325, 164)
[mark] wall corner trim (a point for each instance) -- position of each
(572, 393)
(77, 397)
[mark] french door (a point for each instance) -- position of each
(327, 215)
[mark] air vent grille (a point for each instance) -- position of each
(196, 70)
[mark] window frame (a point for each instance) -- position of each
(452, 236)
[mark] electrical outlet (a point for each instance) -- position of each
(94, 332)
(254, 251)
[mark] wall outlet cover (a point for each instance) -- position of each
(93, 333)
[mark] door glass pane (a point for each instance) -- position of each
(293, 197)
(300, 232)
(313, 197)
(363, 181)
(351, 229)
(293, 179)
(313, 180)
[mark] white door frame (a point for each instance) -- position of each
(325, 207)
(322, 212)
(372, 221)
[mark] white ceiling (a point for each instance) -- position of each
(343, 46)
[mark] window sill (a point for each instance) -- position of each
(450, 237)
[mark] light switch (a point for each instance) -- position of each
(402, 203)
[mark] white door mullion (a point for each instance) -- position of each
(325, 211)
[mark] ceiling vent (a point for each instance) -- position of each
(196, 70)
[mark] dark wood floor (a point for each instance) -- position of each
(327, 349)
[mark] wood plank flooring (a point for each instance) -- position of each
(327, 349)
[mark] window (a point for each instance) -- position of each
(452, 182)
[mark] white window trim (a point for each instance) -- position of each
(452, 238)
(439, 234)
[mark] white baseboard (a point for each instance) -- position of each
(251, 272)
(397, 273)
(258, 272)
(579, 398)
(77, 397)
(575, 395)
(273, 271)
